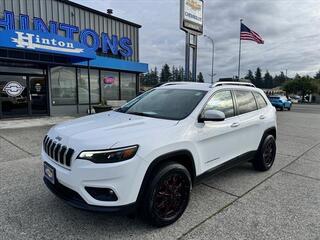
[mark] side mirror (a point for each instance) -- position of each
(212, 115)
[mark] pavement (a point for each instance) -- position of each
(283, 203)
(33, 122)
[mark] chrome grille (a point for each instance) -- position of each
(58, 152)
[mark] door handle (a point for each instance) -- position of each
(262, 117)
(234, 125)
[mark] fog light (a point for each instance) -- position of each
(102, 194)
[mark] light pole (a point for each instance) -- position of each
(212, 74)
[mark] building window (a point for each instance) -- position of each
(128, 86)
(63, 85)
(110, 85)
(83, 88)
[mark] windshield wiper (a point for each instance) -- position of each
(120, 110)
(139, 114)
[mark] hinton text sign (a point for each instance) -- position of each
(45, 37)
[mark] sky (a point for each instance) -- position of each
(290, 28)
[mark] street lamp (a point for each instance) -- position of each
(211, 39)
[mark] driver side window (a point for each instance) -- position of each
(222, 101)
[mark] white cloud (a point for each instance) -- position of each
(290, 29)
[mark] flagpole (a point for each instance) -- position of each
(239, 51)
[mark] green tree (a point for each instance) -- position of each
(317, 76)
(180, 76)
(153, 77)
(165, 75)
(200, 77)
(150, 78)
(301, 85)
(268, 80)
(249, 76)
(279, 80)
(258, 81)
(176, 74)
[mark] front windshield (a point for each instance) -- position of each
(174, 104)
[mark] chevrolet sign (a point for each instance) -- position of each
(192, 16)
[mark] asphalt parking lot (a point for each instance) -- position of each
(240, 203)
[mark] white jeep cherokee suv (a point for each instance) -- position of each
(147, 154)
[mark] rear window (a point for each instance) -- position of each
(246, 102)
(260, 100)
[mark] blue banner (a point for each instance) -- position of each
(45, 42)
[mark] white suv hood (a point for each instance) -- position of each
(104, 130)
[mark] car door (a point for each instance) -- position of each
(251, 128)
(218, 141)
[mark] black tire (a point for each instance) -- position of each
(167, 195)
(289, 108)
(282, 108)
(266, 154)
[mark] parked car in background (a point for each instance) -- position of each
(295, 99)
(280, 102)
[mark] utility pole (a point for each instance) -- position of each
(212, 66)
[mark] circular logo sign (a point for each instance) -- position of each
(108, 80)
(13, 89)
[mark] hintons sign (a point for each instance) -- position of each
(45, 37)
(192, 16)
(32, 41)
(45, 42)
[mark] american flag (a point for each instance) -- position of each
(248, 34)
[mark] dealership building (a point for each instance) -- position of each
(58, 58)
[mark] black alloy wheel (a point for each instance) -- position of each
(168, 195)
(266, 154)
(171, 195)
(269, 153)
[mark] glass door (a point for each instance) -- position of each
(14, 96)
(38, 95)
(23, 95)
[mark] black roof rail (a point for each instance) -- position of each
(245, 84)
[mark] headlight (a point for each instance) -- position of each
(110, 156)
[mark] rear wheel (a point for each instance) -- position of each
(167, 195)
(266, 154)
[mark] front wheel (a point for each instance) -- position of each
(167, 195)
(266, 154)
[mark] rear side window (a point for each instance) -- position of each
(246, 102)
(222, 101)
(260, 100)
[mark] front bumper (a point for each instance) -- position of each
(123, 178)
(75, 200)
